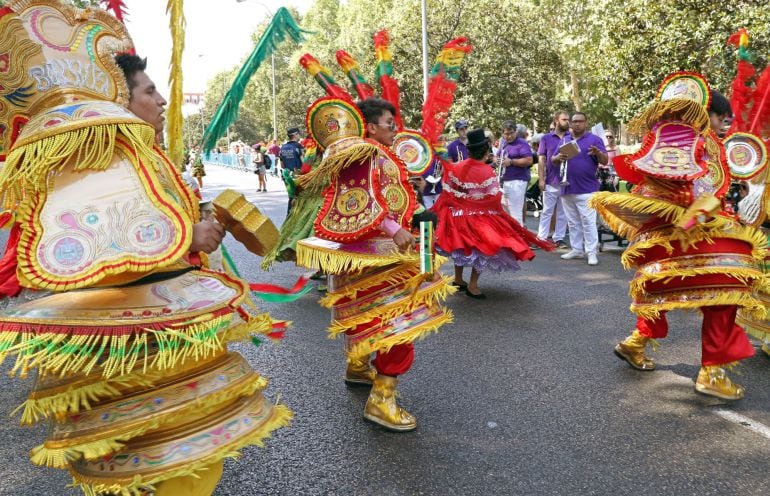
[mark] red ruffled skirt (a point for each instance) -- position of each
(481, 234)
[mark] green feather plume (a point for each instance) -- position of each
(282, 26)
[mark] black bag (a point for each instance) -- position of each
(267, 161)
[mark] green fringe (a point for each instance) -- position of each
(282, 26)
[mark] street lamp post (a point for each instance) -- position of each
(272, 74)
(424, 5)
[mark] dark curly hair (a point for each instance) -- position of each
(130, 64)
(373, 108)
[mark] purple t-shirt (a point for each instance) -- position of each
(581, 169)
(549, 146)
(518, 148)
(457, 151)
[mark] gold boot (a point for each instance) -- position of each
(713, 381)
(631, 350)
(381, 407)
(360, 372)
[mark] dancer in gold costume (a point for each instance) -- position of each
(125, 328)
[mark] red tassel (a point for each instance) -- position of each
(741, 95)
(760, 111)
(117, 7)
(276, 335)
(392, 93)
(435, 110)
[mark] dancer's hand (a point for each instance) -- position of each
(207, 236)
(403, 239)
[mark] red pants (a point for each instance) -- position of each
(395, 362)
(722, 341)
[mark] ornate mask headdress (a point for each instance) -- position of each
(64, 113)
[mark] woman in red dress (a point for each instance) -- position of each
(473, 229)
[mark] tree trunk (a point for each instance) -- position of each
(575, 91)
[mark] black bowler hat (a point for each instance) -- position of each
(292, 131)
(477, 138)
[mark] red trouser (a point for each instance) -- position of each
(722, 341)
(395, 362)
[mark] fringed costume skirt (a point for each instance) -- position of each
(714, 263)
(137, 382)
(377, 295)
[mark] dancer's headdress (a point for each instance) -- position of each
(416, 148)
(64, 112)
(57, 62)
(679, 144)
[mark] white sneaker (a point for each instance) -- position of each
(592, 260)
(573, 254)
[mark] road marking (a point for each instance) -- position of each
(744, 421)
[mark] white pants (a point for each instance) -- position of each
(515, 192)
(552, 203)
(429, 200)
(582, 222)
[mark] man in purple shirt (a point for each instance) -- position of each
(581, 183)
(457, 149)
(432, 188)
(516, 158)
(550, 180)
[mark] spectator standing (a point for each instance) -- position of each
(580, 185)
(611, 181)
(516, 160)
(432, 182)
(291, 152)
(549, 180)
(273, 151)
(458, 149)
(261, 170)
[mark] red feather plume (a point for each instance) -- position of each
(741, 95)
(759, 115)
(117, 7)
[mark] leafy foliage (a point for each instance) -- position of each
(530, 57)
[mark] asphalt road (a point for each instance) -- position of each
(521, 395)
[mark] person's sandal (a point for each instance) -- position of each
(480, 296)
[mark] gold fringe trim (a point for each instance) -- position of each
(427, 297)
(330, 167)
(28, 166)
(637, 204)
(689, 111)
(750, 305)
(369, 346)
(340, 262)
(139, 486)
(61, 353)
(61, 457)
(396, 275)
(706, 232)
(749, 277)
(77, 398)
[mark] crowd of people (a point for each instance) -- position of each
(112, 294)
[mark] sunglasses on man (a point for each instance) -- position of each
(390, 126)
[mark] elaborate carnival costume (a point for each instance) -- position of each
(748, 160)
(473, 228)
(127, 337)
(306, 203)
(381, 299)
(688, 252)
(197, 170)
